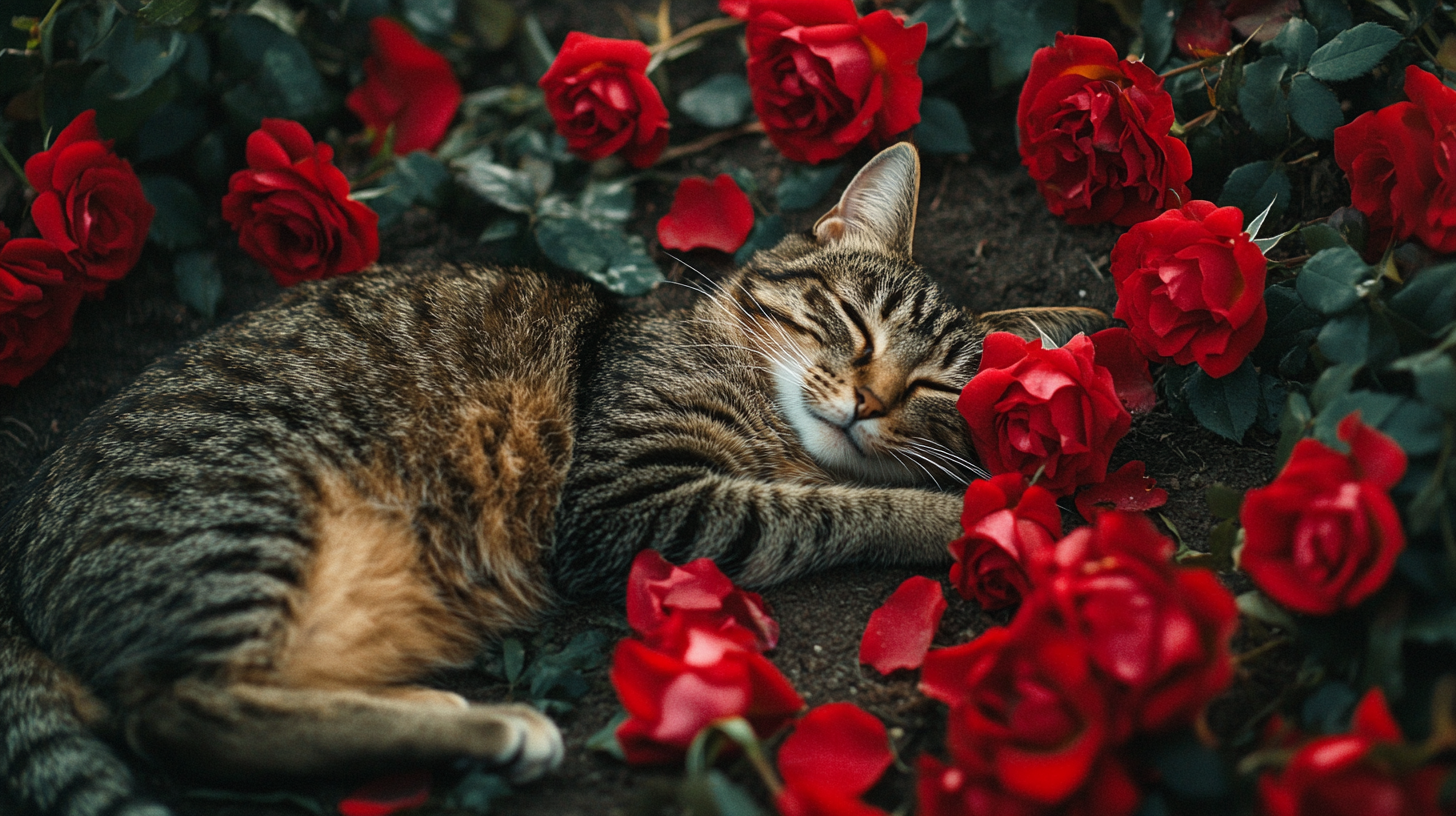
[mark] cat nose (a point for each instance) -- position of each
(867, 405)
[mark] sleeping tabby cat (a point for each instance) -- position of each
(240, 565)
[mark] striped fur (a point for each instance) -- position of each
(241, 565)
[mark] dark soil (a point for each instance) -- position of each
(983, 232)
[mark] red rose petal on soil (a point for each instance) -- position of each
(1115, 350)
(1127, 489)
(388, 794)
(838, 746)
(715, 216)
(900, 631)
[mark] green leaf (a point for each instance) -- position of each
(1375, 409)
(1288, 317)
(1251, 188)
(1023, 26)
(1296, 42)
(1261, 98)
(502, 186)
(536, 48)
(730, 799)
(198, 281)
(167, 12)
(974, 14)
(1314, 107)
(941, 128)
(500, 229)
(513, 659)
(493, 21)
(803, 186)
(608, 256)
(1332, 384)
(1429, 298)
(1272, 395)
(605, 739)
(1321, 236)
(1294, 422)
(179, 222)
(1346, 338)
(1157, 20)
(1257, 605)
(1434, 373)
(1353, 52)
(430, 17)
(1327, 710)
(140, 55)
(1190, 769)
(720, 101)
(1433, 627)
(171, 128)
(1330, 17)
(1333, 280)
(608, 201)
(1227, 405)
(478, 790)
(280, 80)
(1222, 539)
(768, 230)
(1223, 501)
(939, 17)
(1416, 426)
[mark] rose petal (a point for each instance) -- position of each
(900, 631)
(715, 216)
(839, 747)
(1126, 489)
(388, 794)
(1118, 353)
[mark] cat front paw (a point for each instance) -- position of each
(533, 748)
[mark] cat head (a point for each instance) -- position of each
(867, 355)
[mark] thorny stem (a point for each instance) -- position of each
(711, 140)
(1260, 650)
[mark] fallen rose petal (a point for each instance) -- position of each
(1115, 350)
(656, 588)
(839, 747)
(1127, 489)
(713, 215)
(388, 794)
(900, 631)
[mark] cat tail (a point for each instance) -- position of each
(52, 763)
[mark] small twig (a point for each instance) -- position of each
(1206, 62)
(1260, 650)
(705, 27)
(711, 140)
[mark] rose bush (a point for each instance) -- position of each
(825, 79)
(292, 211)
(36, 304)
(406, 86)
(1008, 524)
(1324, 535)
(89, 204)
(1158, 635)
(602, 101)
(1052, 410)
(1094, 135)
(1190, 284)
(1401, 163)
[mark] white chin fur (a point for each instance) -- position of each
(830, 446)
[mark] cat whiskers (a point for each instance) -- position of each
(921, 456)
(757, 328)
(905, 463)
(935, 449)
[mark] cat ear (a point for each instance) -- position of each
(877, 210)
(1053, 325)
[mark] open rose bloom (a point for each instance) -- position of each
(1094, 135)
(407, 86)
(825, 79)
(37, 304)
(598, 93)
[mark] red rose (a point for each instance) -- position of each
(1159, 635)
(825, 79)
(1094, 135)
(89, 204)
(1340, 776)
(36, 305)
(1190, 284)
(1026, 708)
(1036, 409)
(292, 211)
(698, 589)
(949, 790)
(836, 753)
(1007, 525)
(694, 677)
(405, 85)
(598, 92)
(1324, 535)
(1401, 163)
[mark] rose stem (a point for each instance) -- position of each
(711, 140)
(14, 165)
(705, 27)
